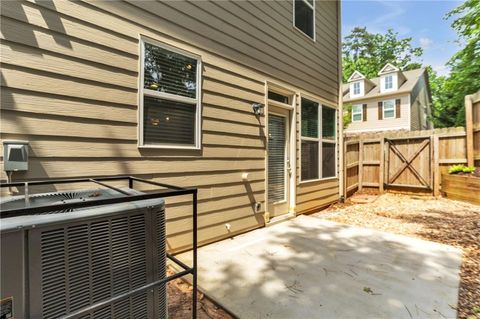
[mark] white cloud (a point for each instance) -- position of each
(441, 69)
(426, 43)
(391, 17)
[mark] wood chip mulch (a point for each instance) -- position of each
(446, 221)
(180, 302)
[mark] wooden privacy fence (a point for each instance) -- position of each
(472, 121)
(410, 161)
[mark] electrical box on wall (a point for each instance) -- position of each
(15, 156)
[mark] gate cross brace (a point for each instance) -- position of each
(407, 163)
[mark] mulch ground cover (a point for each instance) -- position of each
(180, 303)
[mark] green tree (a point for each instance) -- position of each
(347, 115)
(464, 76)
(369, 52)
(440, 115)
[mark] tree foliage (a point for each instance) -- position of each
(464, 76)
(369, 52)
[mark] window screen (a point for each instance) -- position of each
(309, 118)
(304, 16)
(169, 72)
(168, 122)
(170, 97)
(329, 127)
(310, 159)
(318, 141)
(328, 160)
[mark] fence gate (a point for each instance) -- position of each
(408, 162)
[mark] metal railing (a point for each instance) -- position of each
(170, 191)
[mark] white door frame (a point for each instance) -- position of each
(292, 139)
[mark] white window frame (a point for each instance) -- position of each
(361, 87)
(394, 110)
(320, 140)
(386, 82)
(168, 96)
(355, 86)
(361, 113)
(383, 81)
(314, 20)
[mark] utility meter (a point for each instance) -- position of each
(15, 156)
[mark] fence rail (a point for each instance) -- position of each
(407, 161)
(412, 161)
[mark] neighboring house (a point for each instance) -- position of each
(394, 100)
(165, 90)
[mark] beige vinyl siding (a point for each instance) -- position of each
(374, 124)
(241, 34)
(70, 79)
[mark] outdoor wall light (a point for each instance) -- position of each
(258, 108)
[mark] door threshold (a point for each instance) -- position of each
(279, 219)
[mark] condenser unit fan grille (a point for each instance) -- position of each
(56, 198)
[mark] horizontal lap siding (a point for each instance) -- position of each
(374, 123)
(69, 86)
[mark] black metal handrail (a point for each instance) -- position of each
(171, 190)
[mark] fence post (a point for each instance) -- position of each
(344, 168)
(360, 164)
(382, 165)
(469, 128)
(436, 166)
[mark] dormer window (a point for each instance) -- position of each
(356, 88)
(357, 84)
(388, 82)
(390, 78)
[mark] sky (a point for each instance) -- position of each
(420, 19)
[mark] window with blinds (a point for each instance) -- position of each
(318, 141)
(277, 142)
(170, 106)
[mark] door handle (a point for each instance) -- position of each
(289, 167)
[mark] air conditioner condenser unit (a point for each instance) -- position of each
(54, 264)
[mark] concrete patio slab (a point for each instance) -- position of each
(311, 268)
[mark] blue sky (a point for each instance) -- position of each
(422, 20)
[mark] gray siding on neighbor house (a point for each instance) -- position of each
(70, 87)
(421, 106)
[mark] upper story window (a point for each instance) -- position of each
(388, 82)
(389, 109)
(356, 88)
(169, 97)
(318, 141)
(357, 113)
(304, 16)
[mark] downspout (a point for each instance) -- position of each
(341, 152)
